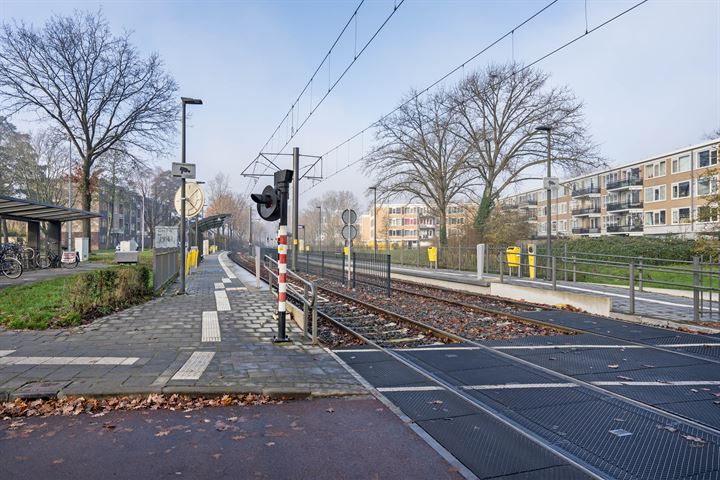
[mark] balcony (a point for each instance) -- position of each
(582, 192)
(585, 231)
(623, 184)
(624, 228)
(578, 212)
(528, 201)
(531, 218)
(629, 205)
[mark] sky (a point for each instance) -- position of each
(650, 81)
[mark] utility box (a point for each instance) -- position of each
(513, 256)
(531, 249)
(82, 247)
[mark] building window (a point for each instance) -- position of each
(655, 218)
(707, 158)
(706, 185)
(680, 215)
(681, 164)
(681, 189)
(655, 169)
(707, 214)
(655, 194)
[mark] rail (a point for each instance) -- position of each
(307, 295)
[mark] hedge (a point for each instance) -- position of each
(103, 291)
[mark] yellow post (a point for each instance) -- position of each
(531, 260)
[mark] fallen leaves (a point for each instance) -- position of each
(99, 407)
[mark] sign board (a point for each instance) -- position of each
(166, 237)
(349, 217)
(68, 257)
(194, 199)
(183, 170)
(432, 254)
(349, 232)
(551, 183)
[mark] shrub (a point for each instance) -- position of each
(650, 247)
(104, 291)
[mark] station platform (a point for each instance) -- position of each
(215, 339)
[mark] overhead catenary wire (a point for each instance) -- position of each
(425, 90)
(331, 85)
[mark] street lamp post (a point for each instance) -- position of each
(185, 101)
(319, 207)
(374, 189)
(548, 217)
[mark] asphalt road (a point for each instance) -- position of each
(318, 439)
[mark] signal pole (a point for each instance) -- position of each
(296, 197)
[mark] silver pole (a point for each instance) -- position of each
(182, 210)
(549, 203)
(296, 196)
(70, 224)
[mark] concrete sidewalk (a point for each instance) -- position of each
(37, 275)
(216, 339)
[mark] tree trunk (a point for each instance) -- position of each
(86, 195)
(4, 229)
(443, 227)
(483, 212)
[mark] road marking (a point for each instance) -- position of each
(68, 360)
(235, 289)
(511, 386)
(658, 384)
(210, 327)
(679, 345)
(225, 268)
(357, 350)
(409, 389)
(221, 300)
(194, 367)
(433, 349)
(226, 280)
(602, 292)
(219, 285)
(5, 352)
(546, 347)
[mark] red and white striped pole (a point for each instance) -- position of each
(282, 282)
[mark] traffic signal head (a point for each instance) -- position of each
(268, 203)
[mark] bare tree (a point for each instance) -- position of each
(498, 111)
(92, 86)
(224, 200)
(44, 175)
(333, 203)
(419, 155)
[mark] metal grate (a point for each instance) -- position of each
(390, 373)
(430, 405)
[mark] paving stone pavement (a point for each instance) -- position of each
(163, 333)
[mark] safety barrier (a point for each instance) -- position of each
(363, 268)
(166, 266)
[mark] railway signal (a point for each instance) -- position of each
(272, 205)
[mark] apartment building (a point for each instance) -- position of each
(661, 195)
(410, 224)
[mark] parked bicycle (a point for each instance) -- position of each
(52, 259)
(9, 265)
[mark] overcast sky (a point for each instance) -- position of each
(650, 81)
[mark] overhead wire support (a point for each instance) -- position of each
(462, 66)
(331, 84)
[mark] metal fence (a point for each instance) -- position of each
(166, 266)
(367, 269)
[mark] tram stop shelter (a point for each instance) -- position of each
(198, 227)
(33, 213)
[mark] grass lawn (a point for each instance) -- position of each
(108, 256)
(47, 304)
(39, 305)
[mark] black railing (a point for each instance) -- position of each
(585, 231)
(611, 207)
(368, 269)
(585, 211)
(585, 191)
(624, 228)
(630, 182)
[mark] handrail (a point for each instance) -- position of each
(309, 301)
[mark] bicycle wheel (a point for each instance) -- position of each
(73, 264)
(12, 268)
(43, 261)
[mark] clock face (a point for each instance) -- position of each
(194, 199)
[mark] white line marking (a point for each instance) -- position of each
(357, 350)
(194, 367)
(610, 294)
(678, 345)
(225, 268)
(235, 289)
(547, 347)
(5, 352)
(219, 285)
(221, 300)
(510, 386)
(226, 280)
(658, 384)
(210, 327)
(433, 349)
(410, 389)
(68, 360)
